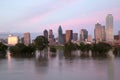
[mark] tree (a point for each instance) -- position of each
(41, 43)
(101, 49)
(21, 50)
(53, 50)
(116, 50)
(3, 49)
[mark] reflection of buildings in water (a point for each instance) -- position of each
(111, 69)
(41, 64)
(60, 54)
(9, 60)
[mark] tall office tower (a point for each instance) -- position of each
(75, 36)
(60, 35)
(13, 40)
(51, 37)
(27, 38)
(64, 38)
(103, 33)
(99, 32)
(83, 35)
(45, 33)
(109, 28)
(89, 38)
(69, 35)
(119, 35)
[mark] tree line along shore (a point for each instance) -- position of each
(100, 49)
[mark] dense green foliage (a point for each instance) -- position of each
(3, 49)
(21, 50)
(53, 51)
(41, 42)
(117, 51)
(100, 49)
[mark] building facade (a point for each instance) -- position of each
(89, 38)
(69, 36)
(27, 39)
(51, 38)
(119, 35)
(60, 35)
(45, 33)
(109, 28)
(99, 32)
(83, 35)
(13, 40)
(75, 36)
(64, 38)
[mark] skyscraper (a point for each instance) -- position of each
(60, 35)
(109, 28)
(64, 38)
(119, 35)
(89, 38)
(45, 32)
(27, 38)
(83, 34)
(99, 32)
(75, 36)
(51, 38)
(69, 35)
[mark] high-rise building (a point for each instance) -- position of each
(27, 38)
(45, 33)
(64, 38)
(13, 40)
(60, 35)
(69, 35)
(83, 35)
(119, 35)
(51, 38)
(109, 28)
(75, 36)
(89, 38)
(99, 32)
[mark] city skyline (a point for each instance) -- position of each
(35, 16)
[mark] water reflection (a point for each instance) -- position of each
(111, 69)
(43, 67)
(41, 62)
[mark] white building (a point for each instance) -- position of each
(109, 28)
(13, 40)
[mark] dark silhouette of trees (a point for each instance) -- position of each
(21, 50)
(3, 50)
(116, 51)
(53, 51)
(41, 43)
(100, 49)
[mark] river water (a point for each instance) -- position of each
(59, 68)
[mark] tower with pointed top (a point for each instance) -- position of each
(60, 35)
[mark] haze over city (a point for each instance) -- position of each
(35, 16)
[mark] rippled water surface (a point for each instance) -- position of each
(59, 68)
